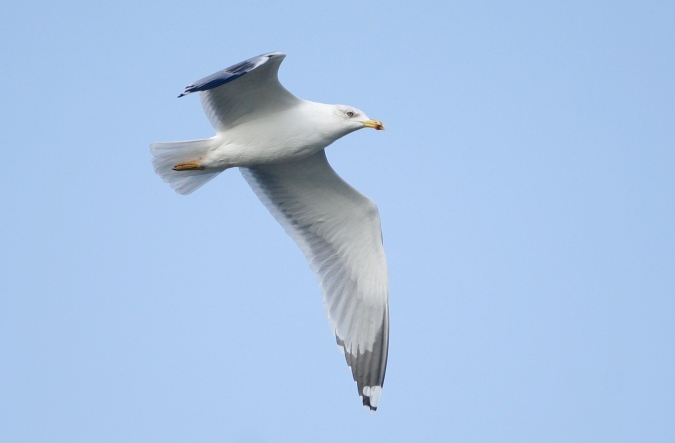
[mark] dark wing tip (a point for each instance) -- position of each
(371, 397)
(369, 379)
(229, 74)
(372, 405)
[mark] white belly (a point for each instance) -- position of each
(275, 138)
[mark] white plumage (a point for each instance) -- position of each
(277, 140)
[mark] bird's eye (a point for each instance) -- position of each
(350, 114)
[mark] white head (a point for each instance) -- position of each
(335, 121)
(352, 119)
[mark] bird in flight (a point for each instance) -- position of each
(277, 141)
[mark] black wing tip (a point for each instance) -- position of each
(189, 89)
(367, 405)
(231, 73)
(371, 397)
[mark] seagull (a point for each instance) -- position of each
(277, 141)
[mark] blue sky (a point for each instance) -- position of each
(526, 187)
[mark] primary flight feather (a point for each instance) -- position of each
(277, 141)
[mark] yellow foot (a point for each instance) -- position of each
(189, 166)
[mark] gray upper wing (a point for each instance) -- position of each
(243, 90)
(338, 230)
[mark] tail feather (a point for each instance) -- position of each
(167, 155)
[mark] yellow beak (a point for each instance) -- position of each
(375, 124)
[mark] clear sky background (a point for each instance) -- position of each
(526, 184)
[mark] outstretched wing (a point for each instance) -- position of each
(242, 91)
(338, 229)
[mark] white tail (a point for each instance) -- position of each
(167, 155)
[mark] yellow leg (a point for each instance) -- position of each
(189, 166)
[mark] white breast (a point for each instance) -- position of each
(276, 137)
